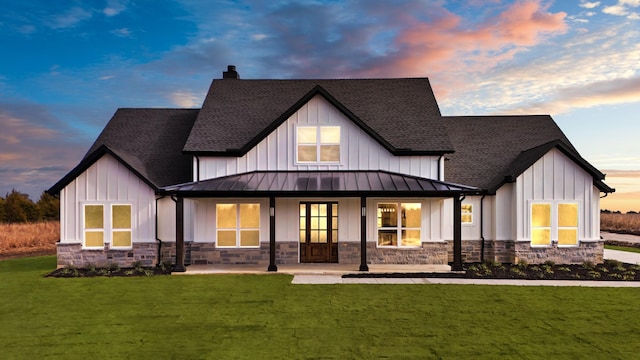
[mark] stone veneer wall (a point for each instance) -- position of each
(428, 253)
(195, 253)
(74, 255)
(206, 253)
(586, 251)
(509, 251)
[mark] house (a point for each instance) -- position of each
(356, 171)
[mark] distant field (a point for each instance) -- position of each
(28, 239)
(620, 223)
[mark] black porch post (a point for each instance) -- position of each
(272, 235)
(179, 235)
(363, 234)
(457, 233)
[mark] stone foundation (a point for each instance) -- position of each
(437, 253)
(74, 255)
(429, 253)
(206, 253)
(586, 251)
(509, 251)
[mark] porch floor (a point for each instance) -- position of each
(313, 269)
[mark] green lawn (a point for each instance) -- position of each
(265, 317)
(622, 248)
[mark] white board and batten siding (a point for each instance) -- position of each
(555, 178)
(277, 152)
(107, 182)
(473, 230)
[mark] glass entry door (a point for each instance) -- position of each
(318, 232)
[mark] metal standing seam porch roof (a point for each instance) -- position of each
(319, 183)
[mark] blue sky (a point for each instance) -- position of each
(66, 66)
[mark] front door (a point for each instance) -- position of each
(318, 232)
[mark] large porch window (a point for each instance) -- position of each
(237, 225)
(399, 224)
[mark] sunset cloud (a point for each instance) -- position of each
(590, 5)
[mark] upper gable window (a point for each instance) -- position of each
(318, 144)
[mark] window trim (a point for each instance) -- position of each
(554, 224)
(470, 213)
(532, 228)
(130, 229)
(100, 230)
(399, 228)
(577, 227)
(107, 225)
(318, 144)
(238, 229)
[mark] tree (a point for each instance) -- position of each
(19, 208)
(49, 207)
(2, 211)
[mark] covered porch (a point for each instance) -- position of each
(360, 185)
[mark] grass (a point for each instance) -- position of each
(29, 238)
(622, 223)
(266, 317)
(622, 248)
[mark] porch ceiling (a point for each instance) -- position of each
(319, 184)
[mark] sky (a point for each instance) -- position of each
(66, 66)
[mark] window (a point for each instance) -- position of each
(97, 230)
(318, 144)
(121, 226)
(540, 224)
(94, 226)
(559, 223)
(238, 225)
(399, 224)
(467, 214)
(567, 224)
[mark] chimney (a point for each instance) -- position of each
(231, 73)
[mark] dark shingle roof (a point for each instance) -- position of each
(491, 150)
(402, 114)
(148, 141)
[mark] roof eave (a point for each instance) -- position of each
(89, 160)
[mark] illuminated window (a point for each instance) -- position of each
(564, 228)
(121, 226)
(238, 225)
(540, 224)
(399, 224)
(568, 224)
(318, 144)
(98, 230)
(94, 226)
(467, 214)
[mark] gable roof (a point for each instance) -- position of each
(147, 141)
(493, 150)
(401, 114)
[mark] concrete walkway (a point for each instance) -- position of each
(337, 279)
(622, 256)
(623, 239)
